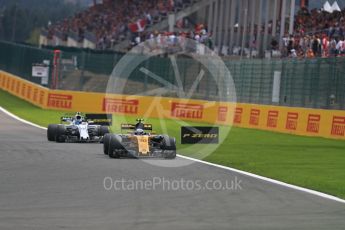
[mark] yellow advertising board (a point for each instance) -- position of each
(141, 106)
(292, 120)
(24, 89)
(300, 121)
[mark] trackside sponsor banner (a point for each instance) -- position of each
(222, 113)
(199, 135)
(292, 121)
(181, 110)
(60, 101)
(338, 126)
(254, 117)
(24, 89)
(272, 118)
(299, 121)
(313, 125)
(238, 116)
(111, 105)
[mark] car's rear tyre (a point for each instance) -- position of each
(106, 143)
(115, 146)
(169, 147)
(103, 130)
(51, 132)
(61, 134)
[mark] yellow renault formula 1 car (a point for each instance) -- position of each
(139, 143)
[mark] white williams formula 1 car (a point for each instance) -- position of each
(79, 128)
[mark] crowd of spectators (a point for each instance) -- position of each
(310, 46)
(109, 21)
(199, 34)
(317, 34)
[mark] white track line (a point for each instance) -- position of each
(20, 119)
(320, 194)
(313, 192)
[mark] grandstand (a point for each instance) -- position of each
(103, 25)
(251, 28)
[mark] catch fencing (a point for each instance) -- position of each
(310, 83)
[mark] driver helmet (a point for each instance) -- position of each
(139, 132)
(78, 118)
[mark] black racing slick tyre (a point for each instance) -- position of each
(169, 147)
(61, 134)
(115, 146)
(106, 143)
(51, 132)
(103, 130)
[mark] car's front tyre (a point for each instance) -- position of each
(106, 143)
(115, 146)
(169, 147)
(51, 132)
(61, 134)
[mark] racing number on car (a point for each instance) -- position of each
(143, 143)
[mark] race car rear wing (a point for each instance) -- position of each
(147, 127)
(67, 118)
(100, 119)
(96, 119)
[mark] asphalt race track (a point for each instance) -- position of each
(60, 186)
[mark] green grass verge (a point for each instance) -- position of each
(310, 162)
